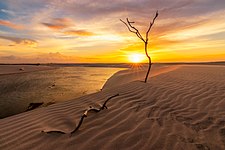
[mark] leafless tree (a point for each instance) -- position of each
(132, 29)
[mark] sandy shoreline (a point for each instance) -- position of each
(16, 69)
(182, 107)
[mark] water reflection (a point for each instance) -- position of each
(65, 83)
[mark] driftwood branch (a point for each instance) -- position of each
(104, 104)
(80, 122)
(93, 109)
(34, 106)
(85, 114)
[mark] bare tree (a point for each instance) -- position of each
(132, 29)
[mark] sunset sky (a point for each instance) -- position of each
(43, 31)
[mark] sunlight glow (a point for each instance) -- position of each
(136, 58)
(50, 35)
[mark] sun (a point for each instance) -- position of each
(136, 58)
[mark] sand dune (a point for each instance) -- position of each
(133, 74)
(182, 107)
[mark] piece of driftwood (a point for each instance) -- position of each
(78, 126)
(34, 105)
(85, 115)
(81, 121)
(54, 131)
(21, 69)
(93, 109)
(104, 104)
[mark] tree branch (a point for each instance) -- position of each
(129, 26)
(151, 24)
(137, 32)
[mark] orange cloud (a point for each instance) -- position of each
(63, 20)
(30, 43)
(10, 24)
(58, 23)
(78, 33)
(54, 26)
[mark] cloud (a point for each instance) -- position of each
(10, 25)
(58, 23)
(27, 42)
(53, 57)
(54, 26)
(181, 24)
(63, 25)
(79, 33)
(8, 12)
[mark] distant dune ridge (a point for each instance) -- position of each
(181, 107)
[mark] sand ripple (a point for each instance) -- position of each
(182, 108)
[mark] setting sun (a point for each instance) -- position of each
(136, 58)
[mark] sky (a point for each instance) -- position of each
(90, 31)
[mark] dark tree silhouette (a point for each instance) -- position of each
(132, 29)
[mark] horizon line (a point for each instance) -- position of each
(58, 63)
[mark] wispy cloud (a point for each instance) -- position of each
(54, 26)
(26, 42)
(58, 23)
(183, 26)
(10, 24)
(79, 33)
(7, 12)
(65, 26)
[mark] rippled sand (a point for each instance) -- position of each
(181, 107)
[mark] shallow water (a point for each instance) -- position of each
(17, 91)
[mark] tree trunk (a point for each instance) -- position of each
(149, 61)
